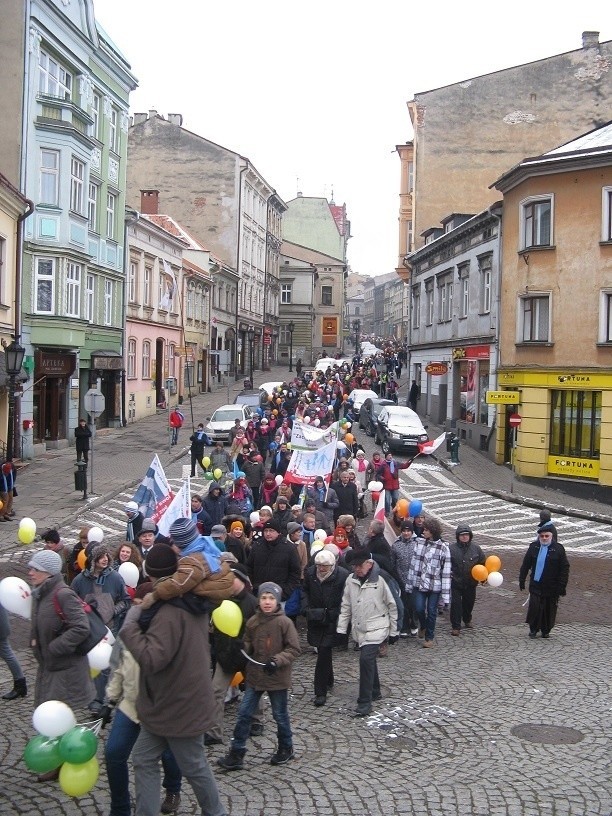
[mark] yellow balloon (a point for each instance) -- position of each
(77, 780)
(94, 673)
(26, 536)
(493, 563)
(28, 525)
(217, 473)
(227, 617)
(206, 462)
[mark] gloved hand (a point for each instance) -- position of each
(522, 586)
(393, 640)
(270, 667)
(133, 614)
(106, 713)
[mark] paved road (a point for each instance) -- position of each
(488, 724)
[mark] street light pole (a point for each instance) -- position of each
(291, 329)
(251, 336)
(357, 330)
(13, 355)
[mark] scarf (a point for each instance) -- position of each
(208, 550)
(539, 567)
(392, 467)
(361, 465)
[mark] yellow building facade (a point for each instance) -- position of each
(556, 312)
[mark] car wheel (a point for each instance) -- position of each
(385, 447)
(369, 430)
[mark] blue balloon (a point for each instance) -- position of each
(415, 508)
(259, 411)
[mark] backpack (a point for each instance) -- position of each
(97, 627)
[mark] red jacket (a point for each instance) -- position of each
(176, 419)
(390, 480)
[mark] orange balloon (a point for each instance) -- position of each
(493, 563)
(237, 679)
(81, 558)
(402, 507)
(1, 505)
(480, 572)
(278, 400)
(349, 439)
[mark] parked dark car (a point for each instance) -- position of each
(399, 429)
(250, 398)
(368, 416)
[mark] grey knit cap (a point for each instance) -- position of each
(183, 531)
(46, 561)
(272, 588)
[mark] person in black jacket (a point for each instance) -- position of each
(82, 435)
(231, 660)
(198, 440)
(323, 587)
(465, 554)
(274, 559)
(215, 503)
(547, 562)
(348, 498)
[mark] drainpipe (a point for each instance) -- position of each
(17, 316)
(131, 217)
(238, 260)
(491, 211)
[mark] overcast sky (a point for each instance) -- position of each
(314, 94)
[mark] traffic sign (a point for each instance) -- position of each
(94, 402)
(515, 420)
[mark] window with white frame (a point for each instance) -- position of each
(73, 289)
(92, 206)
(409, 235)
(77, 174)
(131, 281)
(146, 289)
(111, 207)
(286, 293)
(113, 133)
(108, 302)
(190, 296)
(146, 359)
(44, 286)
(327, 296)
(536, 217)
(606, 231)
(410, 176)
(95, 115)
(416, 307)
(464, 289)
(49, 177)
(429, 302)
(534, 318)
(445, 298)
(485, 265)
(53, 78)
(605, 316)
(131, 359)
(90, 294)
(171, 359)
(2, 264)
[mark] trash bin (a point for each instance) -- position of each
(80, 476)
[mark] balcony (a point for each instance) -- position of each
(59, 114)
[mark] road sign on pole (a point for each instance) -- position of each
(95, 404)
(514, 420)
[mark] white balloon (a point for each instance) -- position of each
(278, 479)
(53, 718)
(317, 422)
(320, 535)
(495, 579)
(347, 425)
(254, 517)
(307, 420)
(16, 597)
(95, 534)
(99, 656)
(108, 637)
(130, 574)
(375, 487)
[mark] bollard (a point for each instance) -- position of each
(80, 478)
(454, 448)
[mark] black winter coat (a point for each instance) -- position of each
(323, 595)
(227, 649)
(348, 500)
(381, 553)
(553, 581)
(278, 562)
(215, 507)
(463, 558)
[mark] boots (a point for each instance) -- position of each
(19, 690)
(232, 761)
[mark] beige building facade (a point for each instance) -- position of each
(556, 312)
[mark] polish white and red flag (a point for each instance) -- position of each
(432, 445)
(379, 513)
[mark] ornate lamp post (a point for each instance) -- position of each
(251, 335)
(291, 329)
(13, 355)
(357, 330)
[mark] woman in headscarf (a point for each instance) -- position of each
(547, 562)
(240, 499)
(323, 587)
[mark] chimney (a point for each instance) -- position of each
(590, 39)
(176, 119)
(149, 202)
(299, 194)
(152, 113)
(139, 118)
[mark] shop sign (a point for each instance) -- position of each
(471, 353)
(107, 363)
(573, 466)
(502, 397)
(436, 369)
(55, 364)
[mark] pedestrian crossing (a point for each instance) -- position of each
(513, 523)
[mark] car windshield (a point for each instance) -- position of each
(227, 415)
